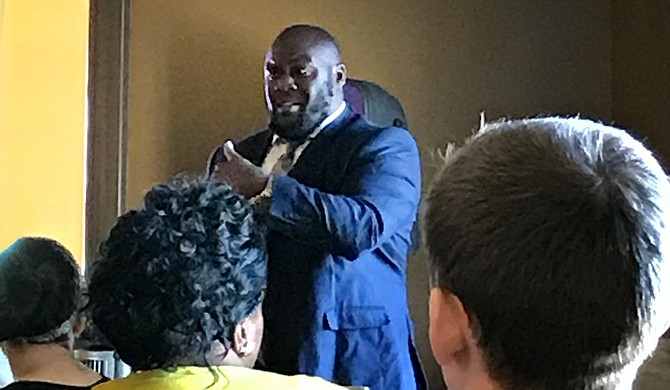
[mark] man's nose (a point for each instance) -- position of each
(285, 83)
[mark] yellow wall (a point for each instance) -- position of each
(43, 61)
(2, 12)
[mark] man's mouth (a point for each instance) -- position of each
(288, 107)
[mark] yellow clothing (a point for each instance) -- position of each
(215, 378)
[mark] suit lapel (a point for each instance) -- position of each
(256, 148)
(316, 153)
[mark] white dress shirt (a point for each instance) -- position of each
(279, 148)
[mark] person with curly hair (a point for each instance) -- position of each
(39, 316)
(178, 292)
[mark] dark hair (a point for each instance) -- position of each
(309, 35)
(39, 291)
(178, 274)
(552, 233)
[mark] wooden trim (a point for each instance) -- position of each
(107, 120)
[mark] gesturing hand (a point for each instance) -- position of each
(245, 177)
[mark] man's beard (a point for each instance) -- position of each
(297, 126)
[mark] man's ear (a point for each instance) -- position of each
(449, 326)
(340, 74)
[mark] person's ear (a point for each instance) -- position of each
(240, 340)
(449, 326)
(340, 74)
(244, 341)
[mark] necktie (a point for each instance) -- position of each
(287, 160)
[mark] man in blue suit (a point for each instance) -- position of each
(340, 197)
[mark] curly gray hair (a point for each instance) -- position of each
(178, 274)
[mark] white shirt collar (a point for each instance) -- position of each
(329, 119)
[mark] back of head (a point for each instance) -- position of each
(178, 274)
(552, 234)
(39, 292)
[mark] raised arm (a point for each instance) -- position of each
(380, 196)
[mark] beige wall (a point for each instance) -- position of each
(196, 74)
(196, 66)
(641, 70)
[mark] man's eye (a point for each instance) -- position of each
(300, 72)
(272, 71)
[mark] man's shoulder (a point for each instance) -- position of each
(361, 128)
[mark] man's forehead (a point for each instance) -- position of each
(283, 58)
(300, 52)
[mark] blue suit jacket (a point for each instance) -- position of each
(339, 232)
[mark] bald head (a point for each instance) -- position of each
(304, 80)
(304, 37)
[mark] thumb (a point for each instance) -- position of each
(229, 151)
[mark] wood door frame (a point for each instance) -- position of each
(109, 35)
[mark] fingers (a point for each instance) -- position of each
(229, 151)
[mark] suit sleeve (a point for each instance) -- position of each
(380, 196)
